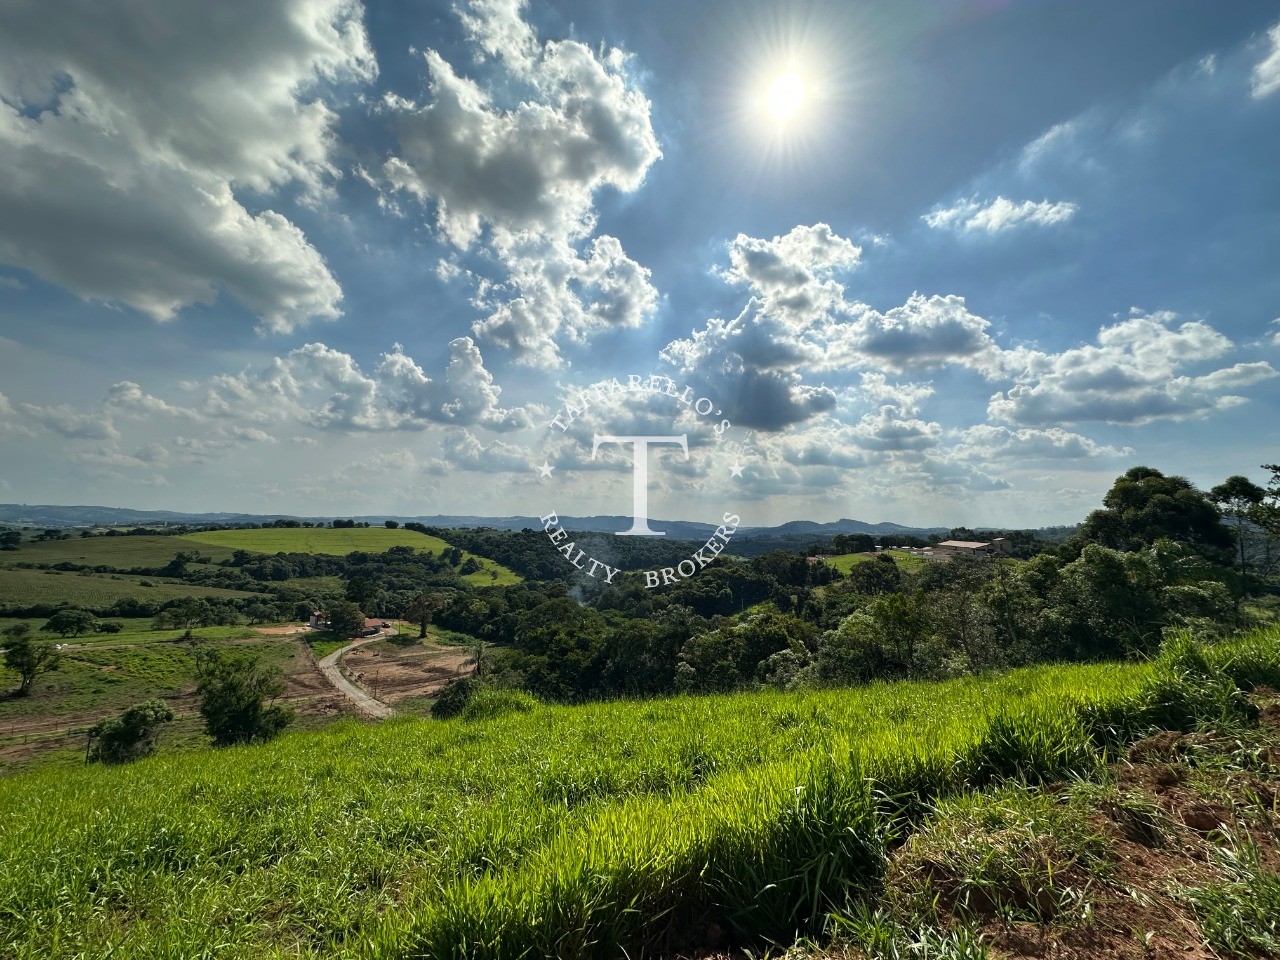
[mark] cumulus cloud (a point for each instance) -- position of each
(522, 180)
(325, 388)
(465, 451)
(127, 141)
(986, 442)
(749, 365)
(998, 215)
(800, 321)
(1133, 374)
(924, 333)
(127, 397)
(889, 430)
(800, 324)
(71, 423)
(1266, 72)
(552, 290)
(793, 272)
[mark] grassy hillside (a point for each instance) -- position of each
(120, 553)
(24, 588)
(522, 830)
(343, 541)
(846, 562)
(105, 677)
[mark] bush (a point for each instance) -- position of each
(130, 736)
(454, 698)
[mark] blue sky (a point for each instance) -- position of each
(319, 257)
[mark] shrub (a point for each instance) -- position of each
(132, 735)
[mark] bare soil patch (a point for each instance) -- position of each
(392, 673)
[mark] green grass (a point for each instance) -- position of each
(845, 562)
(96, 591)
(1241, 915)
(553, 831)
(119, 553)
(340, 542)
(100, 679)
(1022, 854)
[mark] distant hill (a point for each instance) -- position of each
(48, 515)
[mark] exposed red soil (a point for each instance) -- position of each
(393, 673)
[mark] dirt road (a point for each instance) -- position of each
(361, 699)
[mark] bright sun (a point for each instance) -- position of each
(785, 95)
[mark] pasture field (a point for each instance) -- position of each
(119, 553)
(340, 542)
(96, 591)
(845, 562)
(115, 671)
(521, 830)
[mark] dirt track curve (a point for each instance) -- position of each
(361, 699)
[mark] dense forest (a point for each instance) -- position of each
(1158, 554)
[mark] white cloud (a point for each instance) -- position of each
(888, 430)
(553, 290)
(127, 141)
(998, 215)
(325, 388)
(128, 397)
(793, 272)
(907, 397)
(71, 423)
(986, 442)
(749, 365)
(463, 450)
(1134, 374)
(12, 283)
(1266, 72)
(528, 175)
(924, 333)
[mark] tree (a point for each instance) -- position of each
(391, 524)
(191, 611)
(1240, 500)
(422, 608)
(130, 736)
(10, 540)
(236, 698)
(479, 658)
(1144, 506)
(345, 619)
(26, 657)
(875, 577)
(258, 613)
(71, 623)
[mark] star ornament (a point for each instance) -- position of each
(544, 470)
(735, 469)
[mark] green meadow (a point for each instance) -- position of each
(342, 541)
(119, 553)
(29, 588)
(523, 830)
(846, 562)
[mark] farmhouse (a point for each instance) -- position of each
(999, 547)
